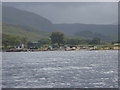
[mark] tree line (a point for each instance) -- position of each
(55, 38)
(11, 41)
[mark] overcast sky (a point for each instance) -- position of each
(77, 12)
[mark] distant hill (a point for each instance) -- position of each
(38, 24)
(76, 27)
(23, 31)
(105, 32)
(90, 35)
(19, 17)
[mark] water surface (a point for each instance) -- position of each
(60, 69)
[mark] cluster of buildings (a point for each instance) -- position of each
(38, 46)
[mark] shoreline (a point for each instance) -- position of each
(35, 50)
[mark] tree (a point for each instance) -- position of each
(73, 41)
(95, 41)
(24, 41)
(57, 37)
(44, 41)
(76, 41)
(9, 40)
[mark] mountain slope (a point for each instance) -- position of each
(105, 32)
(73, 28)
(90, 35)
(22, 31)
(27, 19)
(19, 17)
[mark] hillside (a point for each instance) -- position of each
(19, 17)
(105, 32)
(90, 35)
(27, 19)
(22, 31)
(76, 27)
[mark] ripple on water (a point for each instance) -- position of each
(79, 69)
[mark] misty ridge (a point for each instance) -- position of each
(41, 27)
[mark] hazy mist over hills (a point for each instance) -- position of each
(72, 12)
(24, 18)
(22, 31)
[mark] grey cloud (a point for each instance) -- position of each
(82, 12)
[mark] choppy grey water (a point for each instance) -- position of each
(60, 69)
